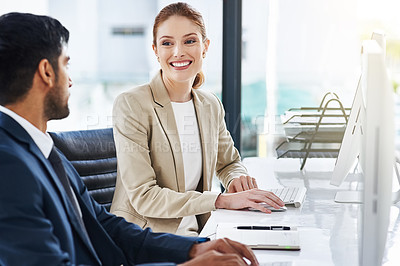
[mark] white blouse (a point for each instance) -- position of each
(189, 136)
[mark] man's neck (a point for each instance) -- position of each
(31, 113)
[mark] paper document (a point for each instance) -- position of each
(261, 236)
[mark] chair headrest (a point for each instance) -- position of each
(85, 144)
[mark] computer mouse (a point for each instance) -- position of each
(281, 209)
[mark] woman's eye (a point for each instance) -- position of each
(190, 41)
(166, 43)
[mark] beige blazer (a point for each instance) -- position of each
(150, 189)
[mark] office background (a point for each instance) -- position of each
(293, 52)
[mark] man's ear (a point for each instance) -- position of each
(46, 72)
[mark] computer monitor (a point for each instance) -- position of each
(376, 154)
(350, 147)
(351, 143)
(370, 135)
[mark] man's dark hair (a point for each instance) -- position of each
(26, 39)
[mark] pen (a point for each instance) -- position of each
(254, 227)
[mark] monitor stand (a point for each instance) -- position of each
(356, 197)
(351, 196)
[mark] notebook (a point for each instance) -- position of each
(275, 238)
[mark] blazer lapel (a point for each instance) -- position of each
(204, 120)
(15, 130)
(165, 114)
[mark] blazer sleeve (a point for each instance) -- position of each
(26, 234)
(132, 133)
(229, 163)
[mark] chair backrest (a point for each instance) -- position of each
(92, 153)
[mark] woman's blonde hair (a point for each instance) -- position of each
(184, 10)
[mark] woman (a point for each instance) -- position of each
(171, 138)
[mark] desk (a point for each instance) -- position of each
(328, 230)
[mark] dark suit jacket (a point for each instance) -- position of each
(39, 227)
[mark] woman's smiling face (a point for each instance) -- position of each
(180, 49)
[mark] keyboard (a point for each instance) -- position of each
(292, 196)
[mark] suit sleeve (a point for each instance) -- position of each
(145, 246)
(132, 133)
(25, 232)
(138, 245)
(229, 163)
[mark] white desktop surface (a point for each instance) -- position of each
(328, 230)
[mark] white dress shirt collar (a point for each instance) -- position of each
(42, 140)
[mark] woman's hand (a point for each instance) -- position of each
(249, 198)
(242, 183)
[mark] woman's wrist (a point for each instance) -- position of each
(220, 203)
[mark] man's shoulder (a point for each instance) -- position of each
(15, 154)
(7, 143)
(17, 164)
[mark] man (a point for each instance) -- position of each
(46, 214)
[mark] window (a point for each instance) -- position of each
(296, 51)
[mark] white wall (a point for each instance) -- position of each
(80, 18)
(318, 42)
(39, 7)
(123, 57)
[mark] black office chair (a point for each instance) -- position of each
(92, 153)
